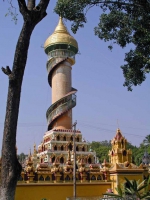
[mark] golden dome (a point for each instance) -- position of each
(61, 37)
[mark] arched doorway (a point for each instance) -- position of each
(53, 159)
(58, 138)
(67, 178)
(47, 178)
(83, 149)
(70, 147)
(61, 160)
(41, 178)
(89, 160)
(93, 178)
(124, 153)
(71, 138)
(55, 148)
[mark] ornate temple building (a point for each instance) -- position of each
(119, 152)
(61, 49)
(120, 163)
(90, 176)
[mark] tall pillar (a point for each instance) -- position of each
(61, 48)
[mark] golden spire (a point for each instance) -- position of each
(60, 36)
(118, 135)
(61, 28)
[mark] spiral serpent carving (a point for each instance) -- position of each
(68, 101)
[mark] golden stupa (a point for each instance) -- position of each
(61, 39)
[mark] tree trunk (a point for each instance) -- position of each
(11, 168)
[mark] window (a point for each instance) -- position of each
(58, 138)
(53, 159)
(55, 148)
(47, 178)
(70, 147)
(93, 178)
(67, 178)
(61, 160)
(89, 160)
(83, 149)
(41, 178)
(71, 138)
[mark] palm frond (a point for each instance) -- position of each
(119, 190)
(144, 186)
(139, 185)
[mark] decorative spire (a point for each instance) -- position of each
(35, 148)
(61, 28)
(30, 152)
(118, 135)
(60, 39)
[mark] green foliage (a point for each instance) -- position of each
(147, 140)
(21, 157)
(133, 191)
(138, 152)
(136, 159)
(73, 11)
(122, 22)
(102, 149)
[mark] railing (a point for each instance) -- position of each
(53, 63)
(58, 103)
(61, 53)
(60, 107)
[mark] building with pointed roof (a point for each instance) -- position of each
(120, 163)
(119, 152)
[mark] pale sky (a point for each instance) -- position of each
(101, 97)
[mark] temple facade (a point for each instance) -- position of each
(92, 178)
(56, 144)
